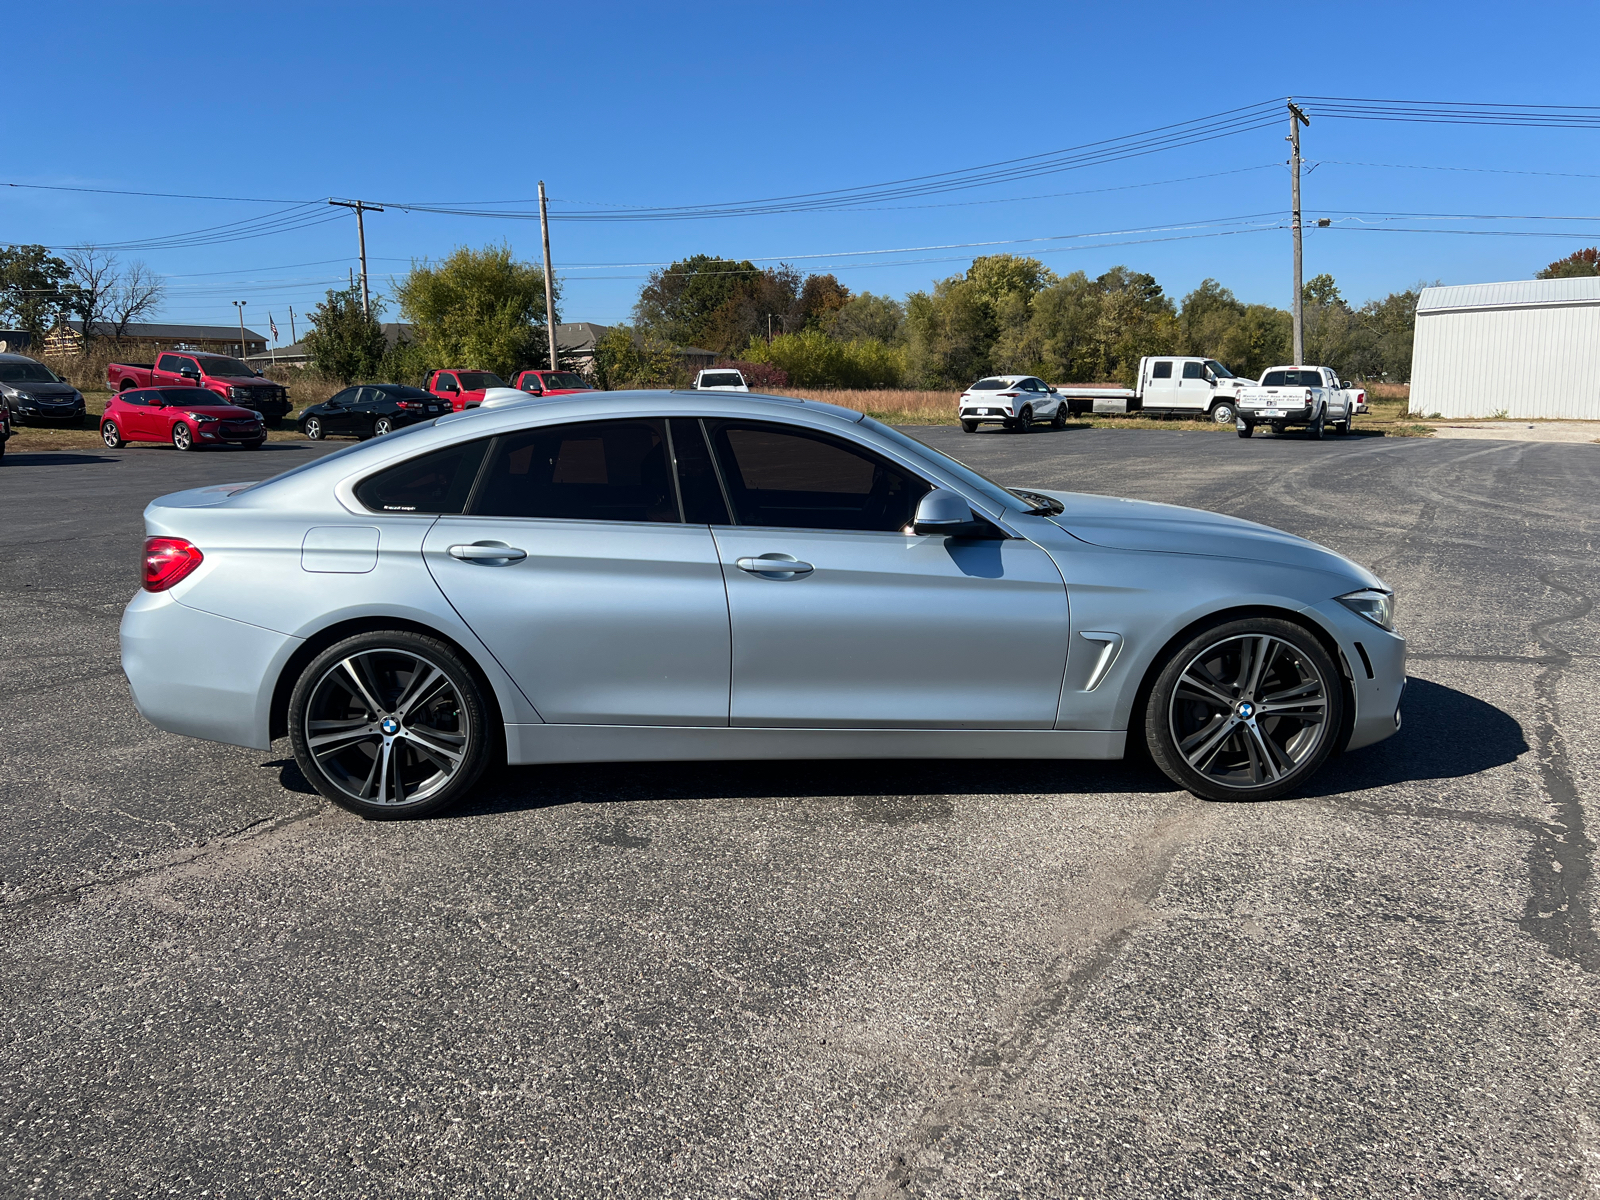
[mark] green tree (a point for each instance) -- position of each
(682, 302)
(478, 308)
(344, 342)
(1386, 329)
(1209, 314)
(813, 359)
(1578, 263)
(950, 334)
(868, 316)
(31, 282)
(628, 358)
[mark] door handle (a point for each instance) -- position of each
(774, 566)
(488, 552)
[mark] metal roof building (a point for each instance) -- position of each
(1529, 348)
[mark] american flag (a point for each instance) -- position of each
(272, 325)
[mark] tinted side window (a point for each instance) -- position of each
(1194, 371)
(1162, 370)
(1274, 378)
(530, 383)
(795, 479)
(703, 503)
(446, 383)
(345, 397)
(167, 362)
(433, 483)
(592, 471)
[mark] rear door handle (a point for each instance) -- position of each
(771, 566)
(496, 553)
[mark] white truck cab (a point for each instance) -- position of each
(1309, 396)
(1168, 384)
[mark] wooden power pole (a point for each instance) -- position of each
(549, 286)
(1297, 119)
(361, 236)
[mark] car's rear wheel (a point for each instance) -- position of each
(969, 427)
(1245, 710)
(313, 429)
(390, 724)
(111, 435)
(382, 426)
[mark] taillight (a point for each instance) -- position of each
(168, 560)
(408, 404)
(1009, 395)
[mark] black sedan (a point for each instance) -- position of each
(371, 410)
(35, 394)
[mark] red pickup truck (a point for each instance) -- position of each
(550, 383)
(227, 377)
(461, 389)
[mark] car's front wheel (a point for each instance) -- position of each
(1059, 421)
(182, 437)
(1223, 413)
(1245, 710)
(390, 724)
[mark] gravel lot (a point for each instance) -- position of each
(831, 979)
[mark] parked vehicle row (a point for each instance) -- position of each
(229, 378)
(650, 576)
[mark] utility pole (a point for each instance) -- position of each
(292, 338)
(361, 235)
(1297, 119)
(243, 349)
(549, 286)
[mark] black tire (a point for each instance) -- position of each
(969, 427)
(1245, 428)
(1279, 428)
(182, 437)
(1224, 413)
(1317, 426)
(1204, 722)
(255, 445)
(312, 428)
(1025, 419)
(111, 435)
(382, 426)
(360, 698)
(1059, 421)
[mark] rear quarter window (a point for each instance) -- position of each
(437, 483)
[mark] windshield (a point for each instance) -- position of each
(226, 368)
(564, 379)
(989, 385)
(26, 372)
(1217, 369)
(476, 381)
(722, 379)
(991, 490)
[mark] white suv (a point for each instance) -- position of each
(720, 379)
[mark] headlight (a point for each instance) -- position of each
(235, 393)
(194, 416)
(23, 395)
(1377, 607)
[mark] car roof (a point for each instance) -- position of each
(18, 358)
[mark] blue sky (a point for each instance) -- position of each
(653, 105)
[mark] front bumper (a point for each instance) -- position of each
(1376, 660)
(33, 411)
(201, 675)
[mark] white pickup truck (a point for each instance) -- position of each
(1309, 396)
(1167, 384)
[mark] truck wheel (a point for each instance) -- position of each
(969, 427)
(1315, 429)
(1246, 428)
(1222, 412)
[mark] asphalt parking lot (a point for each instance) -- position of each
(830, 980)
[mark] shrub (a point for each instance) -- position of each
(759, 374)
(811, 358)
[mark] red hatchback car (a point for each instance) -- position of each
(180, 416)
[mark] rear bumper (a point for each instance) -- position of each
(1258, 416)
(201, 675)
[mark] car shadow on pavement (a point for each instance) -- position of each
(1446, 735)
(54, 458)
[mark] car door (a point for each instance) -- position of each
(168, 371)
(137, 417)
(336, 416)
(1194, 389)
(1044, 401)
(576, 568)
(841, 619)
(1161, 389)
(448, 389)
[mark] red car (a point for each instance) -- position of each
(171, 415)
(461, 389)
(229, 378)
(551, 383)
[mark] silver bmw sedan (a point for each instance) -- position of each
(663, 576)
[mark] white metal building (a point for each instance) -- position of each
(1525, 349)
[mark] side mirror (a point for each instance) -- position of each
(1053, 392)
(942, 511)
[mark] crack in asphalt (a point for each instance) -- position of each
(999, 1065)
(1559, 865)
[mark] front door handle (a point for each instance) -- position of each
(494, 553)
(775, 566)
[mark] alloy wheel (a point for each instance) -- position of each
(182, 436)
(387, 727)
(1248, 711)
(314, 429)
